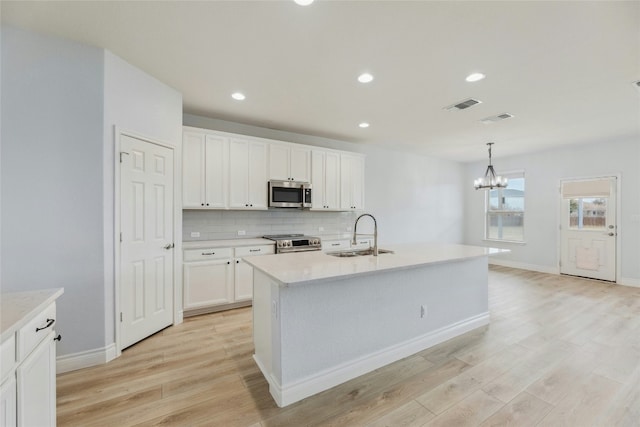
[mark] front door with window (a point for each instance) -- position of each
(588, 228)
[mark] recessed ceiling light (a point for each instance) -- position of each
(303, 2)
(364, 125)
(365, 78)
(238, 96)
(475, 77)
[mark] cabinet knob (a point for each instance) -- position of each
(207, 204)
(251, 205)
(228, 262)
(237, 262)
(201, 204)
(58, 338)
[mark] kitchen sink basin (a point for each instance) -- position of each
(360, 252)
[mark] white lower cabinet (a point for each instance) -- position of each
(36, 385)
(218, 277)
(8, 394)
(28, 389)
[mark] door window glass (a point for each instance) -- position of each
(588, 213)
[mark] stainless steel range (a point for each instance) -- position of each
(286, 243)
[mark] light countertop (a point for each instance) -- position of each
(229, 243)
(316, 266)
(18, 308)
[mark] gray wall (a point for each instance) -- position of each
(414, 198)
(138, 103)
(60, 103)
(543, 172)
(52, 208)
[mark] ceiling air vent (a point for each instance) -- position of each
(463, 104)
(497, 118)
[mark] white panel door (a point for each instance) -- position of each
(317, 180)
(146, 218)
(588, 234)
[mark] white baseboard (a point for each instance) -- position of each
(85, 359)
(628, 281)
(625, 281)
(300, 389)
(524, 266)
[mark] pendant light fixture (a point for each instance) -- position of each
(490, 180)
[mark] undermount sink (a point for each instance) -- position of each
(360, 252)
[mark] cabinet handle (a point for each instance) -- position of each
(49, 323)
(255, 250)
(335, 244)
(208, 253)
(58, 338)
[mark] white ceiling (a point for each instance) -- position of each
(563, 69)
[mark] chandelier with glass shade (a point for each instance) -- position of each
(490, 180)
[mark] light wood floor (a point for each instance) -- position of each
(559, 351)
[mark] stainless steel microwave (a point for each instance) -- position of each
(289, 194)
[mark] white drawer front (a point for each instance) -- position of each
(255, 250)
(7, 356)
(335, 245)
(207, 254)
(30, 335)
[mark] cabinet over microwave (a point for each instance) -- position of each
(289, 194)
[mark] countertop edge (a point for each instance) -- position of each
(27, 316)
(282, 283)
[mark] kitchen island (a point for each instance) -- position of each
(320, 320)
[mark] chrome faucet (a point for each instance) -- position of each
(375, 233)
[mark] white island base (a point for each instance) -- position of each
(312, 335)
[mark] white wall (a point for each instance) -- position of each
(543, 172)
(414, 198)
(60, 102)
(138, 103)
(52, 136)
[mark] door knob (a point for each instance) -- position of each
(169, 246)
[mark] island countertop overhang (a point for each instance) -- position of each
(317, 267)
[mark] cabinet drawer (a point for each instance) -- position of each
(207, 254)
(335, 245)
(30, 335)
(7, 356)
(255, 250)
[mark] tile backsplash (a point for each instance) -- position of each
(225, 224)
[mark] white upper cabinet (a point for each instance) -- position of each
(351, 182)
(229, 171)
(193, 170)
(325, 180)
(247, 174)
(289, 162)
(204, 177)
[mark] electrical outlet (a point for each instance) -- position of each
(423, 311)
(195, 234)
(242, 233)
